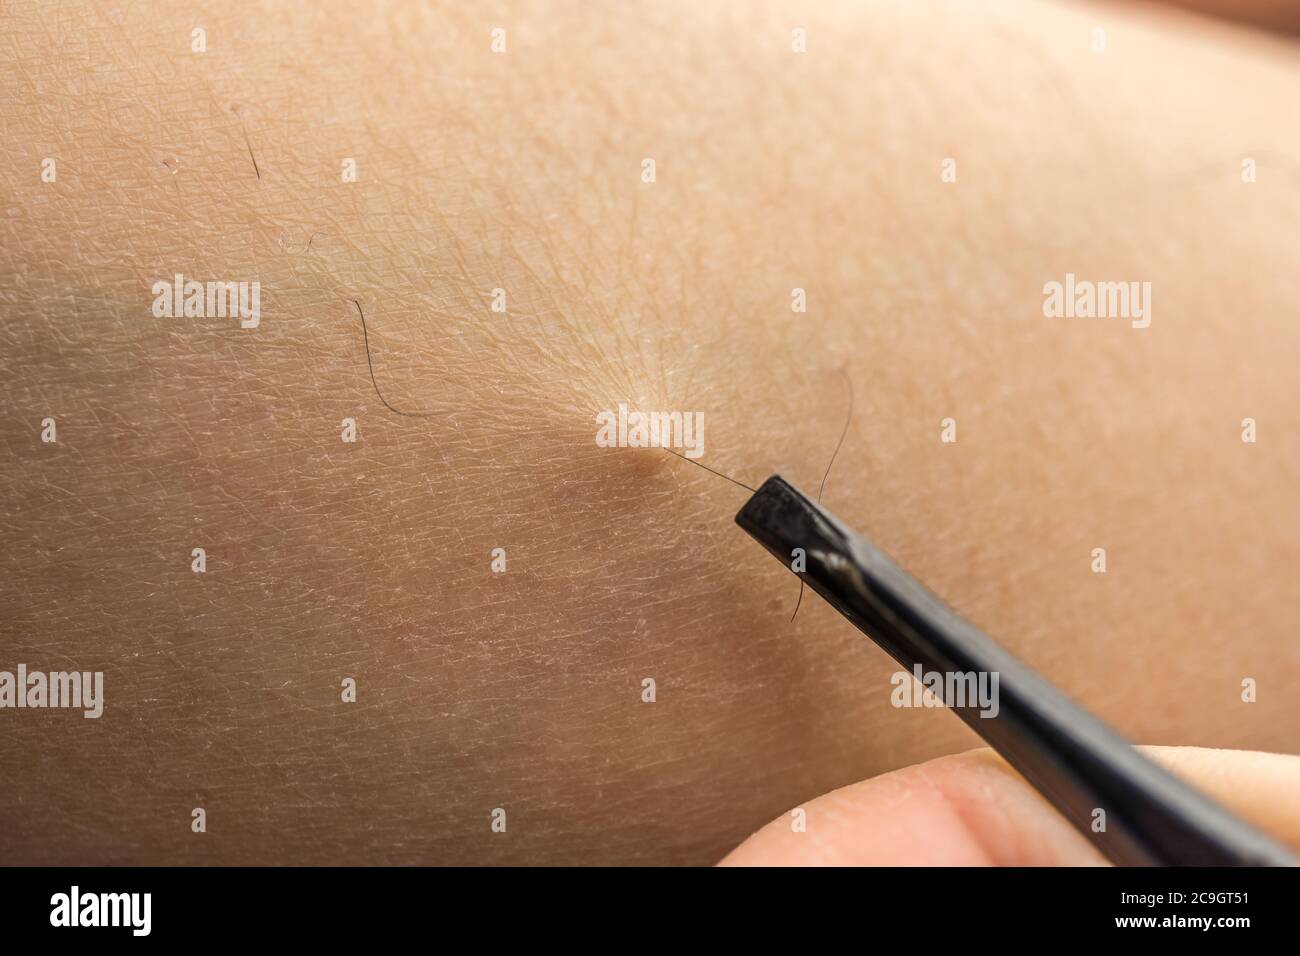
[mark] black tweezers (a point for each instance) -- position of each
(1073, 759)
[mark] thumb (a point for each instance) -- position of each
(972, 809)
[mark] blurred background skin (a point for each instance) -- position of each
(521, 171)
(1280, 15)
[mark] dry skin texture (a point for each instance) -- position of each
(521, 171)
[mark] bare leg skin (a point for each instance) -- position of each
(524, 171)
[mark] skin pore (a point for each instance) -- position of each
(522, 171)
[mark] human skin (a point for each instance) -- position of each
(971, 809)
(522, 171)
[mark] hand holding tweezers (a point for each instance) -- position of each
(1073, 759)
